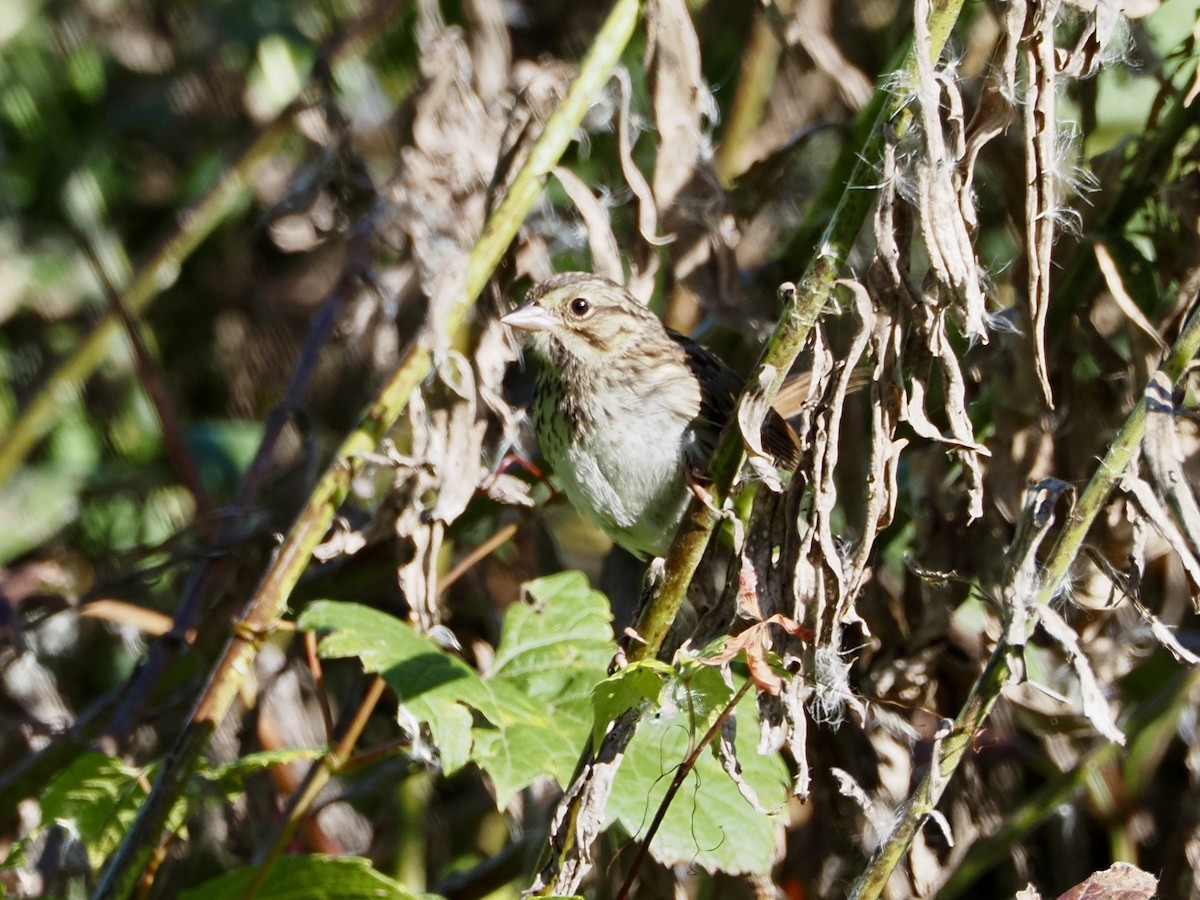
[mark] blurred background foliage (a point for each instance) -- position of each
(231, 148)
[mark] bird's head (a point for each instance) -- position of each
(577, 319)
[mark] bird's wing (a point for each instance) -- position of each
(719, 389)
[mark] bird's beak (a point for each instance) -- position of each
(530, 317)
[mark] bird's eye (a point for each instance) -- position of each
(579, 306)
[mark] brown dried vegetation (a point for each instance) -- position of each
(969, 618)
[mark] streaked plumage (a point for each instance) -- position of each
(625, 408)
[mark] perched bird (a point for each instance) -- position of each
(626, 410)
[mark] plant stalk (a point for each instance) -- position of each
(270, 599)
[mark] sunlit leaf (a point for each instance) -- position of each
(312, 877)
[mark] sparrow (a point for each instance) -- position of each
(627, 412)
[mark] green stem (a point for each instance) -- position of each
(1158, 714)
(998, 669)
(803, 307)
(157, 273)
(269, 600)
(319, 775)
(760, 61)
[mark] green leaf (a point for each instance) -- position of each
(432, 686)
(223, 450)
(231, 777)
(631, 687)
(700, 692)
(566, 629)
(311, 877)
(37, 502)
(16, 857)
(551, 654)
(518, 755)
(709, 823)
(535, 697)
(98, 797)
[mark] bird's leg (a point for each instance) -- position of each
(521, 462)
(697, 484)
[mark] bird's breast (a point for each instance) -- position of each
(623, 462)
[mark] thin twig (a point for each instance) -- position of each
(379, 751)
(996, 673)
(805, 302)
(318, 776)
(485, 549)
(269, 600)
(681, 773)
(150, 374)
(318, 676)
(196, 224)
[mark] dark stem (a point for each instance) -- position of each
(681, 775)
